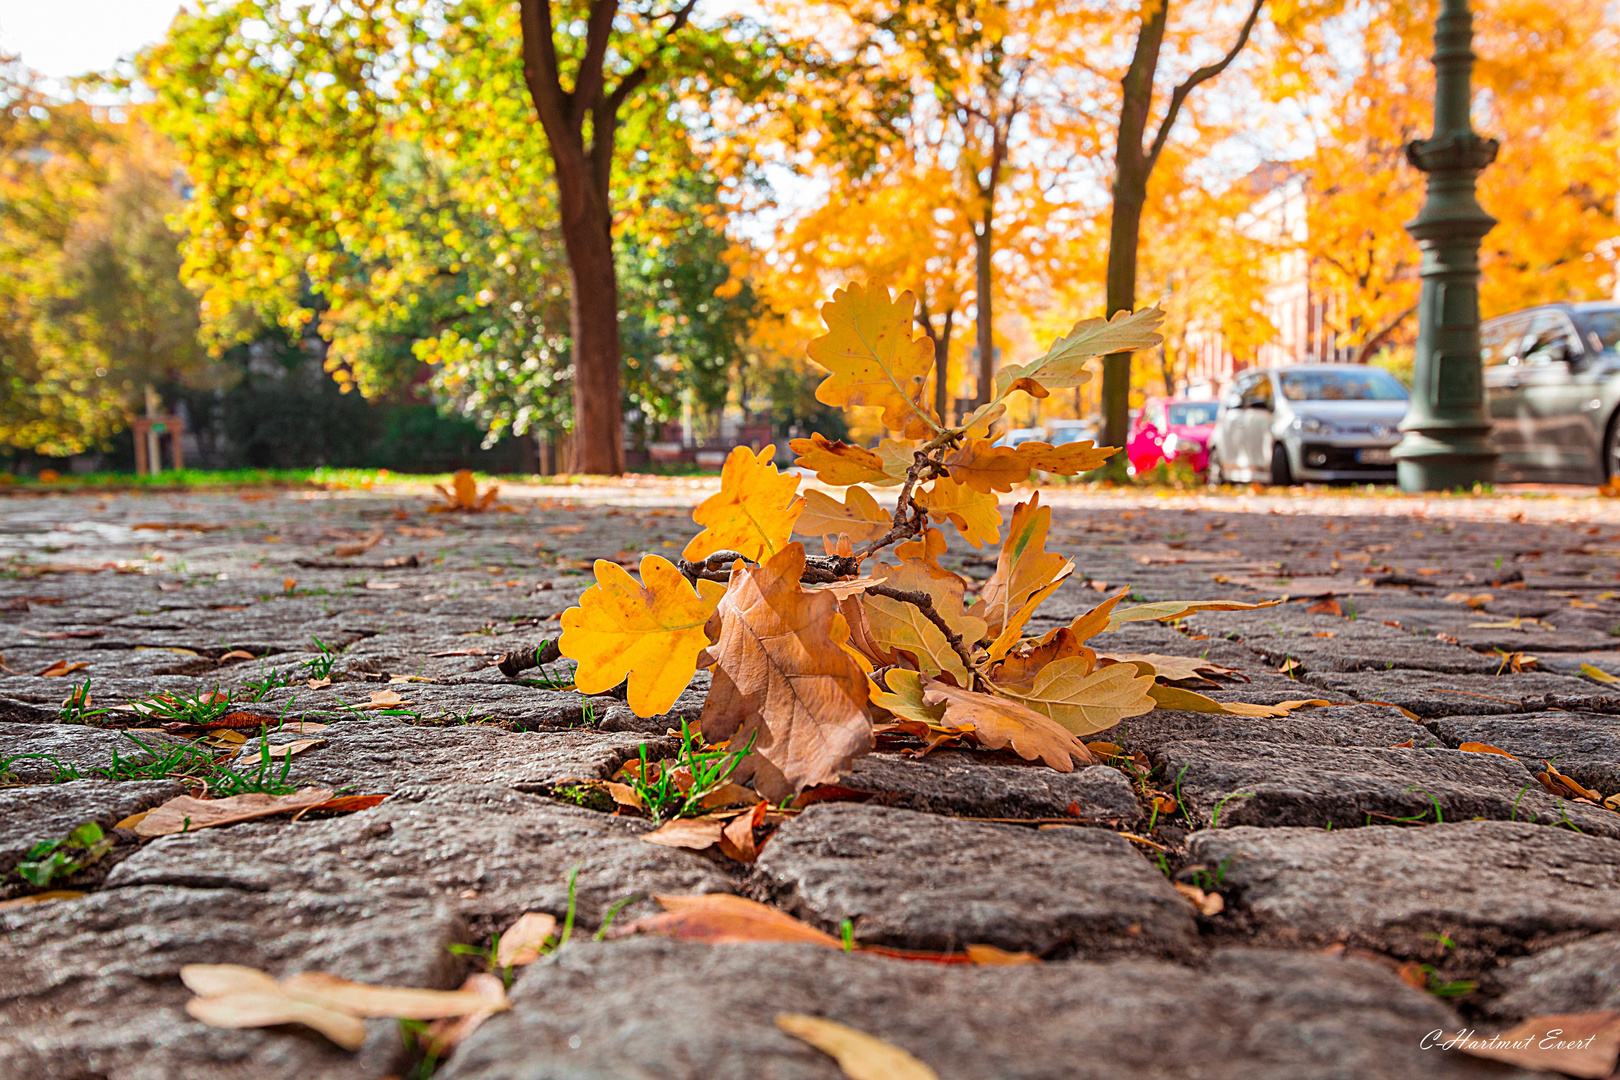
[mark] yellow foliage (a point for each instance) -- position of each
(754, 511)
(649, 632)
(873, 359)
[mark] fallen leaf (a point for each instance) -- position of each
(649, 632)
(990, 956)
(364, 999)
(1576, 1044)
(60, 668)
(1598, 674)
(522, 942)
(783, 681)
(840, 464)
(444, 1034)
(249, 1009)
(1170, 668)
(1082, 700)
(360, 548)
(1484, 748)
(737, 839)
(40, 898)
(237, 654)
(872, 357)
(859, 516)
(1329, 606)
(186, 814)
(754, 511)
(384, 585)
(694, 834)
(348, 804)
(1003, 722)
(1025, 571)
(1170, 609)
(463, 496)
(385, 699)
(1208, 904)
(1173, 697)
(318, 684)
(859, 1055)
(1473, 600)
(896, 624)
(284, 751)
(721, 919)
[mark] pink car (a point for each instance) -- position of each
(1169, 429)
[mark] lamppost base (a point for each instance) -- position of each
(1424, 463)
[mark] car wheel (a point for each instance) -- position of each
(1281, 474)
(1212, 471)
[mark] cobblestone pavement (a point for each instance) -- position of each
(1358, 853)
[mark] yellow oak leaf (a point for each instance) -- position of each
(1004, 722)
(1070, 459)
(1024, 567)
(904, 698)
(784, 682)
(874, 359)
(975, 514)
(1064, 363)
(1170, 609)
(752, 513)
(987, 468)
(895, 624)
(1085, 701)
(1017, 672)
(858, 515)
(841, 464)
(650, 631)
(919, 571)
(1015, 622)
(1170, 668)
(1173, 697)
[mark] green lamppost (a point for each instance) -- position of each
(1447, 443)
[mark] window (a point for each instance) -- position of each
(1499, 337)
(1547, 330)
(1369, 384)
(1603, 328)
(1192, 414)
(1257, 395)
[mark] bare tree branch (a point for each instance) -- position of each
(1202, 75)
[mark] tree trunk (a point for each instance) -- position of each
(942, 370)
(1131, 170)
(593, 323)
(983, 241)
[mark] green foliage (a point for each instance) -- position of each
(51, 859)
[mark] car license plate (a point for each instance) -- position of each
(1375, 457)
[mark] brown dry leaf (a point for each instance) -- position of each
(897, 625)
(990, 956)
(319, 684)
(399, 1002)
(267, 1009)
(859, 1055)
(1484, 748)
(360, 547)
(1003, 722)
(859, 516)
(1329, 606)
(40, 898)
(186, 814)
(297, 746)
(385, 699)
(288, 584)
(737, 839)
(919, 571)
(348, 804)
(1170, 668)
(1576, 1044)
(1170, 609)
(237, 654)
(463, 496)
(721, 919)
(60, 668)
(1564, 786)
(1081, 700)
(1023, 569)
(1473, 600)
(783, 679)
(694, 834)
(1598, 674)
(987, 468)
(444, 1035)
(1208, 904)
(522, 942)
(1172, 697)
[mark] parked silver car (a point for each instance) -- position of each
(1323, 422)
(1552, 375)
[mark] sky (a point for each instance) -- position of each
(63, 38)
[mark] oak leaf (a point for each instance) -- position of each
(753, 512)
(186, 814)
(975, 514)
(1070, 459)
(1023, 568)
(896, 624)
(783, 680)
(649, 631)
(1083, 700)
(987, 468)
(1064, 363)
(524, 941)
(1171, 668)
(859, 1055)
(840, 464)
(1170, 609)
(722, 919)
(1004, 722)
(919, 571)
(1173, 697)
(858, 516)
(874, 359)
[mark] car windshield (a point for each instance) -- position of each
(1605, 325)
(1373, 384)
(1193, 414)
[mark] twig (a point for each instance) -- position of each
(818, 569)
(512, 663)
(925, 604)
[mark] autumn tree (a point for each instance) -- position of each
(292, 120)
(91, 305)
(1546, 91)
